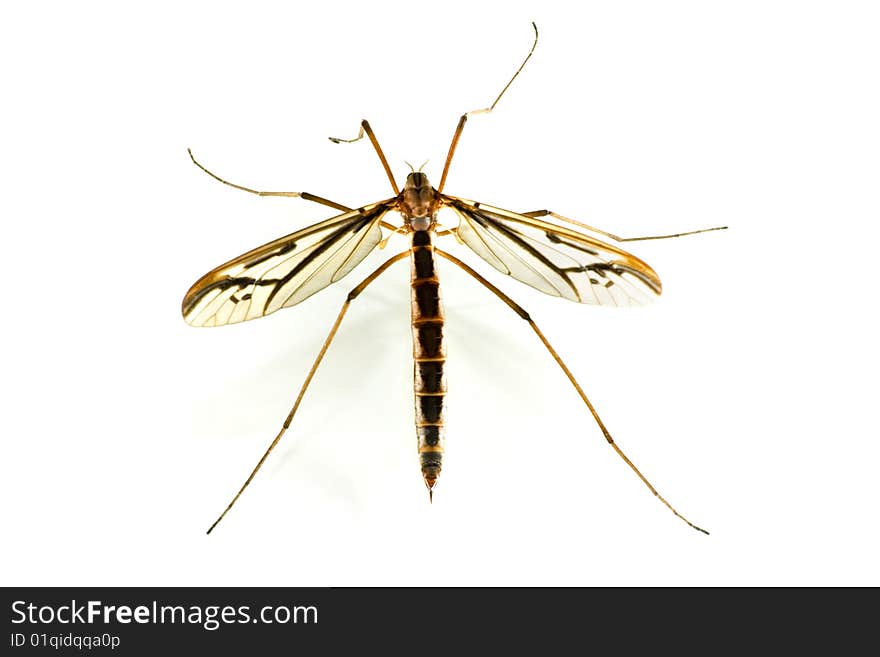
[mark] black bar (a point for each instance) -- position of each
(291, 621)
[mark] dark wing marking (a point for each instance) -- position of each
(286, 271)
(554, 259)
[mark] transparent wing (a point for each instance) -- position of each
(286, 271)
(554, 259)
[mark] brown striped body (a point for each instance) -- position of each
(429, 354)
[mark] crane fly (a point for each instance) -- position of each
(562, 258)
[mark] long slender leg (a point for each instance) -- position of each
(524, 315)
(303, 195)
(464, 117)
(351, 297)
(366, 129)
(550, 213)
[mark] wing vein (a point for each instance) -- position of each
(285, 271)
(554, 259)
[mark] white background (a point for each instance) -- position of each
(746, 394)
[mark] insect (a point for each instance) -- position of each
(562, 258)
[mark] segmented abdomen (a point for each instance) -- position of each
(429, 353)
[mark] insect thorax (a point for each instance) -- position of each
(418, 201)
